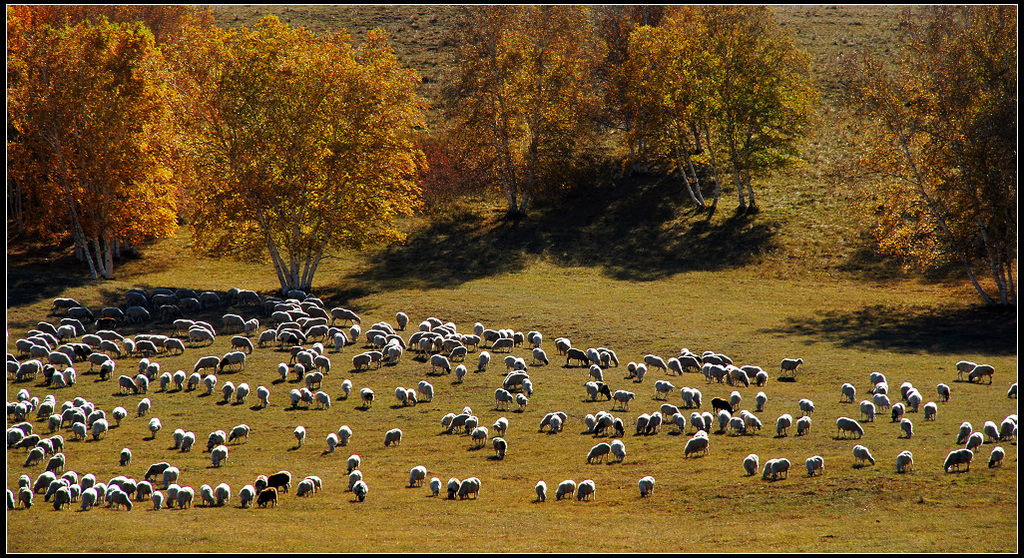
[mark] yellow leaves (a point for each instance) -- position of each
(93, 128)
(306, 139)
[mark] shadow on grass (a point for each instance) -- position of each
(634, 228)
(918, 329)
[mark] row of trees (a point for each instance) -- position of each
(274, 142)
(716, 87)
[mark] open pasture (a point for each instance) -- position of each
(843, 330)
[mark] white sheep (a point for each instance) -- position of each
(586, 490)
(622, 397)
(943, 391)
(815, 464)
(393, 436)
(699, 444)
(862, 454)
(240, 431)
(904, 461)
(782, 425)
(435, 486)
(975, 440)
(366, 395)
(806, 406)
(469, 486)
(930, 410)
(991, 430)
(566, 488)
(750, 464)
(417, 475)
(964, 367)
(867, 410)
(803, 425)
(618, 449)
(846, 424)
(847, 393)
(300, 435)
(958, 457)
(218, 455)
(996, 457)
(759, 401)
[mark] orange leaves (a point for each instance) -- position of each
(299, 141)
(90, 107)
(940, 128)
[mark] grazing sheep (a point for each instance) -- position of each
(806, 406)
(815, 464)
(699, 444)
(598, 452)
(782, 425)
(360, 490)
(300, 435)
(881, 401)
(867, 410)
(267, 496)
(847, 393)
(344, 433)
(996, 457)
(943, 391)
(500, 447)
(897, 411)
(393, 436)
(566, 488)
(750, 464)
(975, 440)
(99, 428)
(426, 390)
(586, 490)
(965, 431)
(618, 449)
(468, 487)
(803, 425)
(126, 457)
(979, 371)
(622, 398)
(1012, 392)
(904, 461)
(789, 366)
(1008, 428)
(366, 394)
(479, 436)
(861, 454)
(991, 430)
(846, 424)
(930, 410)
(541, 489)
(958, 457)
(219, 455)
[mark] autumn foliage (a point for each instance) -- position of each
(299, 143)
(92, 134)
(940, 138)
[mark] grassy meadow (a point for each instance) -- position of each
(626, 266)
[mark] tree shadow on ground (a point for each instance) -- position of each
(633, 228)
(981, 330)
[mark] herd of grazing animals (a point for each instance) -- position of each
(304, 328)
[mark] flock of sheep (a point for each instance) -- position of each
(303, 327)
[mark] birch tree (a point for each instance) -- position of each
(522, 93)
(300, 143)
(93, 134)
(940, 137)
